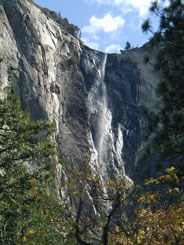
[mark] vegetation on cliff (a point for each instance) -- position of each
(27, 201)
(85, 213)
(91, 210)
(63, 22)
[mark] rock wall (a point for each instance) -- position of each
(97, 100)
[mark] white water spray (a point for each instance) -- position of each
(103, 118)
(106, 143)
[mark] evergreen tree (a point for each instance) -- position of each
(28, 209)
(127, 46)
(168, 131)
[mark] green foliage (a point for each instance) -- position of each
(168, 137)
(86, 213)
(63, 22)
(146, 26)
(28, 208)
(90, 209)
(127, 46)
(121, 214)
(158, 213)
(16, 129)
(70, 28)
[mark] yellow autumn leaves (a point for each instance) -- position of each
(30, 233)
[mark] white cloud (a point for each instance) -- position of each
(106, 24)
(107, 32)
(93, 45)
(104, 1)
(99, 1)
(113, 48)
(90, 43)
(142, 6)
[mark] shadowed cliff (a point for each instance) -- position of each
(97, 100)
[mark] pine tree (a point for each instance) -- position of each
(127, 46)
(168, 133)
(28, 209)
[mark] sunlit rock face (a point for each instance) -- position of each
(97, 100)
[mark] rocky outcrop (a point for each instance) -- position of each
(97, 100)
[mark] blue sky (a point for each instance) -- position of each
(106, 25)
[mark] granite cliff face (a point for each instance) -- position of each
(97, 100)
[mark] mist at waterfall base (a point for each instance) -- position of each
(98, 103)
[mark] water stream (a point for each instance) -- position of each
(106, 142)
(103, 115)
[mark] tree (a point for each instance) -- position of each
(127, 46)
(90, 210)
(158, 213)
(71, 28)
(59, 18)
(121, 213)
(92, 207)
(63, 22)
(29, 209)
(167, 133)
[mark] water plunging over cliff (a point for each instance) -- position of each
(106, 142)
(103, 119)
(97, 100)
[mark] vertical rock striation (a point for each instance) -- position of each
(97, 100)
(116, 105)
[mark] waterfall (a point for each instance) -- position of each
(106, 142)
(103, 117)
